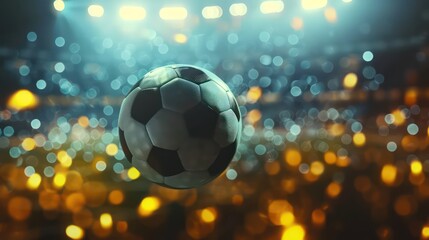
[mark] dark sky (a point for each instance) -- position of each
(388, 19)
(17, 18)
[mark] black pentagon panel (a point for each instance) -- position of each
(146, 104)
(192, 73)
(234, 105)
(201, 121)
(180, 95)
(223, 159)
(158, 77)
(165, 162)
(124, 146)
(214, 96)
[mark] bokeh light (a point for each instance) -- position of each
(95, 10)
(388, 174)
(23, 99)
(313, 4)
(350, 80)
(75, 232)
(19, 208)
(59, 5)
(212, 12)
(34, 181)
(238, 9)
(148, 205)
(106, 220)
(295, 232)
(271, 6)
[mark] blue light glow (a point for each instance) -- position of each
(31, 36)
(24, 70)
(59, 67)
(41, 84)
(60, 42)
(368, 56)
(412, 129)
(35, 123)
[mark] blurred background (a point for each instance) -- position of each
(334, 96)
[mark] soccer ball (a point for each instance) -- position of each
(180, 126)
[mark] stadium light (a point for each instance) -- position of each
(238, 9)
(95, 10)
(212, 12)
(313, 4)
(132, 13)
(268, 7)
(59, 5)
(173, 13)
